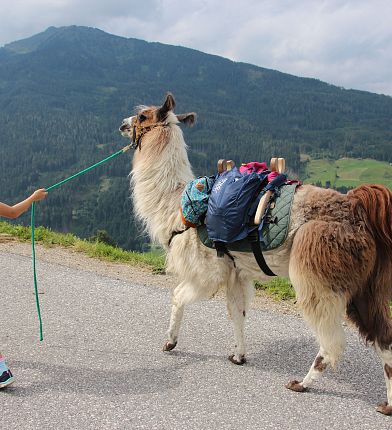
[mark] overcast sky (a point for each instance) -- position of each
(343, 42)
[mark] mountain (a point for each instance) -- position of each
(64, 92)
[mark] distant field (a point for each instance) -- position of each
(348, 172)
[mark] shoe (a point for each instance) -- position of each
(6, 379)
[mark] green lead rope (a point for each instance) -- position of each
(52, 187)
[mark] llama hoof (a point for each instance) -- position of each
(384, 408)
(169, 346)
(239, 362)
(296, 386)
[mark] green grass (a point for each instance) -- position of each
(348, 172)
(278, 288)
(154, 260)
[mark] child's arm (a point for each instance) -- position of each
(19, 208)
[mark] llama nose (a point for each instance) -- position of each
(123, 126)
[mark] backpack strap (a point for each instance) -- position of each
(221, 250)
(270, 190)
(174, 233)
(259, 257)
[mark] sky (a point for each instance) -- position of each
(347, 43)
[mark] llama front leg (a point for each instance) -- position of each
(237, 303)
(174, 328)
(177, 313)
(184, 294)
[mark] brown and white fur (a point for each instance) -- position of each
(337, 255)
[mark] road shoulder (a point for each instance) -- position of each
(133, 274)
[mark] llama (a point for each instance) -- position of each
(337, 254)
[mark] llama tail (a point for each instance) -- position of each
(369, 309)
(374, 204)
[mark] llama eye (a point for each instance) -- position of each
(142, 117)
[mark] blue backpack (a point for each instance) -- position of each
(230, 205)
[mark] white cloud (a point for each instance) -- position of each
(344, 42)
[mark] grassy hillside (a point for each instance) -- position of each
(348, 172)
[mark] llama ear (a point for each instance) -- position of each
(169, 105)
(188, 119)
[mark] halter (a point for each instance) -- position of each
(138, 132)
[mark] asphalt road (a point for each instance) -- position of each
(101, 364)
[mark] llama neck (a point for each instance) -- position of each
(160, 172)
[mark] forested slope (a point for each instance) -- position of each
(64, 92)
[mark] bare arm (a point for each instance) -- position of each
(19, 208)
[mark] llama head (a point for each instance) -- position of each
(150, 117)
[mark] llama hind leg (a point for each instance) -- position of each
(239, 293)
(323, 310)
(371, 314)
(319, 365)
(318, 272)
(331, 338)
(386, 358)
